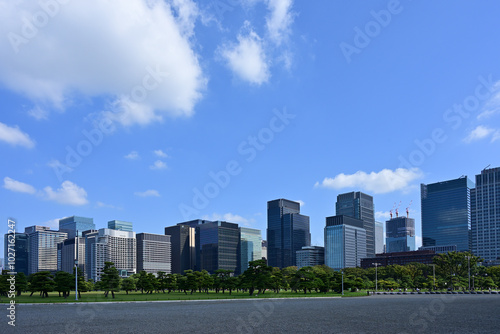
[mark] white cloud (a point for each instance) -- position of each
(53, 223)
(247, 58)
(158, 165)
(14, 136)
(160, 154)
(132, 155)
(492, 106)
(382, 215)
(108, 206)
(17, 186)
(38, 113)
(302, 203)
(143, 56)
(148, 193)
(229, 217)
(279, 21)
(382, 182)
(496, 136)
(69, 193)
(480, 132)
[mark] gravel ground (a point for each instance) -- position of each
(373, 314)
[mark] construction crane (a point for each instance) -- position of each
(390, 212)
(397, 213)
(485, 168)
(408, 210)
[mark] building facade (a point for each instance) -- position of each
(345, 242)
(43, 248)
(379, 238)
(250, 247)
(21, 254)
(71, 225)
(400, 235)
(154, 253)
(287, 232)
(485, 216)
(310, 256)
(68, 251)
(264, 249)
(360, 206)
(183, 247)
(400, 258)
(446, 213)
(120, 225)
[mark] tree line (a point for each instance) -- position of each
(449, 271)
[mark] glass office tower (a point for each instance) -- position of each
(400, 235)
(287, 232)
(360, 206)
(120, 225)
(485, 216)
(21, 254)
(72, 224)
(250, 247)
(446, 215)
(43, 248)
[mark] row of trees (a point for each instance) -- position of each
(451, 272)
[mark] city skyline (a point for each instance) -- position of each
(249, 107)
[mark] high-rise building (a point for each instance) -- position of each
(287, 232)
(153, 253)
(360, 206)
(379, 238)
(446, 216)
(67, 253)
(183, 247)
(43, 248)
(485, 216)
(250, 247)
(21, 255)
(264, 249)
(400, 235)
(345, 242)
(110, 245)
(310, 256)
(71, 225)
(120, 225)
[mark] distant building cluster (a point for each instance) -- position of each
(457, 215)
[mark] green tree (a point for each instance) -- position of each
(21, 283)
(305, 279)
(257, 276)
(110, 279)
(41, 281)
(64, 283)
(4, 283)
(128, 284)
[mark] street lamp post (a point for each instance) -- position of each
(468, 267)
(434, 274)
(76, 268)
(342, 282)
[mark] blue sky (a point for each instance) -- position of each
(156, 112)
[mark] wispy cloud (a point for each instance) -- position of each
(382, 215)
(229, 217)
(280, 19)
(132, 155)
(18, 186)
(38, 113)
(69, 193)
(15, 137)
(160, 154)
(147, 193)
(381, 182)
(158, 165)
(108, 206)
(480, 132)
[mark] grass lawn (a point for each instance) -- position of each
(98, 296)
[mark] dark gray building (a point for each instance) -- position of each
(67, 253)
(21, 255)
(287, 232)
(183, 248)
(360, 206)
(400, 235)
(153, 253)
(310, 256)
(485, 216)
(446, 216)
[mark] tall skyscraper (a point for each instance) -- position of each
(21, 255)
(345, 242)
(250, 247)
(66, 254)
(446, 216)
(153, 253)
(182, 238)
(485, 216)
(109, 245)
(287, 232)
(75, 223)
(43, 248)
(400, 235)
(360, 206)
(264, 249)
(379, 238)
(120, 225)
